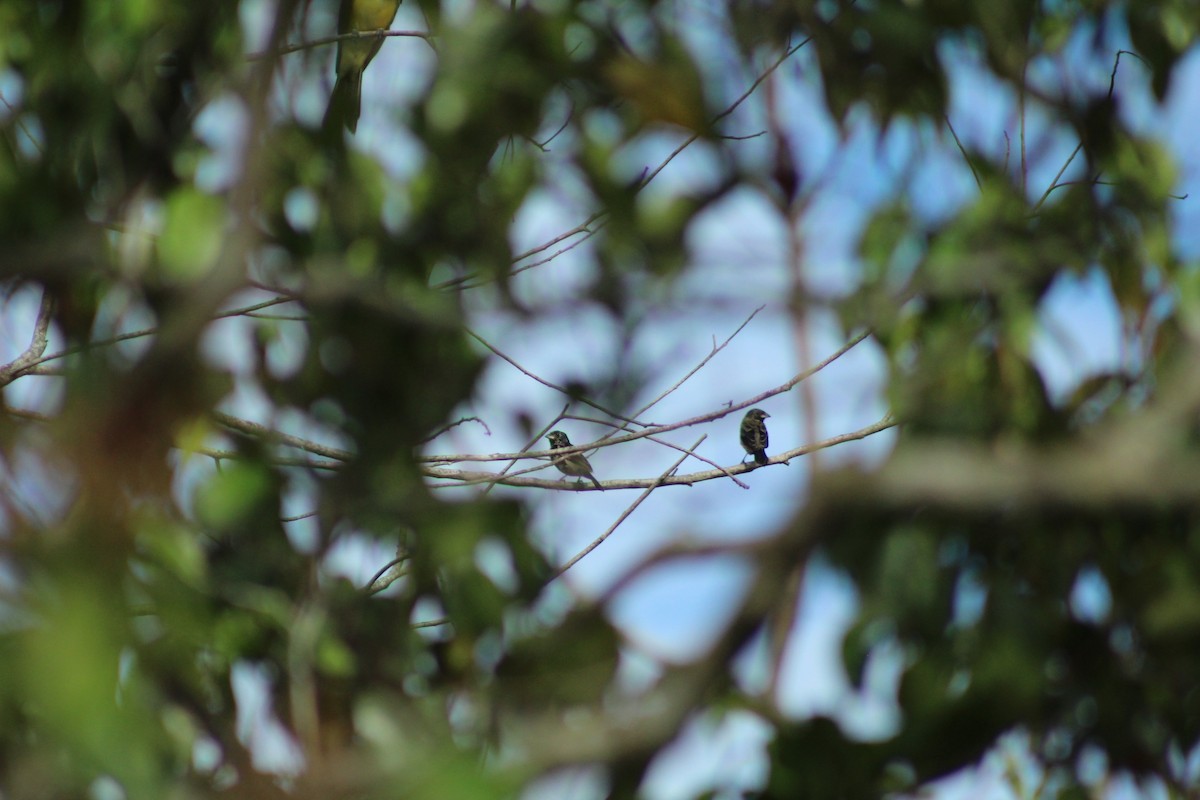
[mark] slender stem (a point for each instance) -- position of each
(599, 540)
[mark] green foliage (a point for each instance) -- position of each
(151, 560)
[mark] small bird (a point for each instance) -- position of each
(754, 435)
(575, 464)
(353, 55)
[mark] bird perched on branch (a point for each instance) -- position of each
(754, 435)
(575, 464)
(353, 55)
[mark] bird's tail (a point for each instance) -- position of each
(345, 103)
(761, 459)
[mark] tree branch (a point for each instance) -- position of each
(383, 33)
(254, 429)
(688, 479)
(625, 514)
(124, 337)
(37, 344)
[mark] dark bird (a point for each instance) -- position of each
(575, 464)
(754, 435)
(353, 55)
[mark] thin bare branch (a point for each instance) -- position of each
(669, 445)
(1099, 182)
(788, 53)
(462, 280)
(747, 137)
(278, 317)
(599, 540)
(14, 114)
(464, 477)
(328, 40)
(658, 429)
(703, 362)
(430, 623)
(544, 146)
(547, 383)
(1054, 183)
(22, 413)
(678, 551)
(234, 455)
(1112, 77)
(467, 478)
(700, 458)
(384, 583)
(124, 337)
(582, 227)
(1112, 86)
(629, 727)
(254, 429)
(533, 440)
(962, 150)
(455, 424)
(592, 231)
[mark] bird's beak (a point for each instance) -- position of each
(765, 414)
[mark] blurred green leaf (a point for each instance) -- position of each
(232, 493)
(192, 234)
